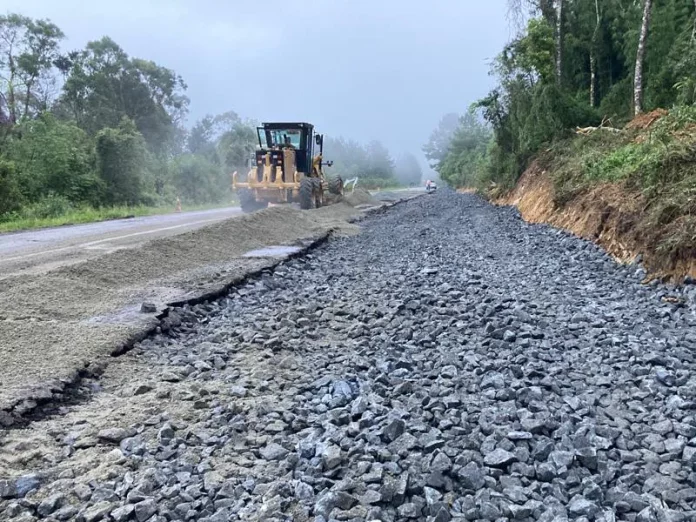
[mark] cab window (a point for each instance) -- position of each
(281, 137)
(262, 137)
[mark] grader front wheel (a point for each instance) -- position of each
(306, 194)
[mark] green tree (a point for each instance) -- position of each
(28, 50)
(372, 163)
(237, 145)
(10, 196)
(349, 157)
(12, 28)
(466, 163)
(104, 85)
(225, 139)
(54, 157)
(199, 180)
(380, 164)
(121, 159)
(436, 148)
(201, 137)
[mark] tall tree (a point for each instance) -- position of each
(200, 139)
(466, 160)
(640, 58)
(436, 148)
(28, 50)
(593, 56)
(559, 41)
(236, 145)
(104, 85)
(12, 27)
(225, 139)
(121, 161)
(371, 163)
(380, 164)
(41, 42)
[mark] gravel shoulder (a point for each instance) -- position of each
(450, 362)
(58, 326)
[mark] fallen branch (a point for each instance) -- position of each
(589, 130)
(605, 125)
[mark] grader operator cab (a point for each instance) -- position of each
(286, 169)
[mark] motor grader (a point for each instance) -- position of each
(286, 169)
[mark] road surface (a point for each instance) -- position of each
(448, 363)
(40, 250)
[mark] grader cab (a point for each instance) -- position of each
(286, 169)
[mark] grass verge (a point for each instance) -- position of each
(92, 215)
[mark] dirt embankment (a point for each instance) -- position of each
(611, 214)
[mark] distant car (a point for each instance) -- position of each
(430, 186)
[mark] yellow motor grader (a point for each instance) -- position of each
(287, 169)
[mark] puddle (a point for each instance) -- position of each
(274, 251)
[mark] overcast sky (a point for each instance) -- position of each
(363, 69)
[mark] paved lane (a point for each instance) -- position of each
(40, 250)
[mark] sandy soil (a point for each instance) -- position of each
(56, 326)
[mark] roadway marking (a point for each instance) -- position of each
(100, 241)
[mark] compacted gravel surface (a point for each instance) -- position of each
(449, 363)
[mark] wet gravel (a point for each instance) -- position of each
(449, 363)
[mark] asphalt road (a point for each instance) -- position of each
(394, 194)
(40, 250)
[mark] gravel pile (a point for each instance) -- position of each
(360, 196)
(449, 363)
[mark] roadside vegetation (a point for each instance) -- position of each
(44, 215)
(95, 134)
(593, 93)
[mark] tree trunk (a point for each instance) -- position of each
(559, 41)
(593, 80)
(640, 59)
(593, 58)
(30, 84)
(11, 99)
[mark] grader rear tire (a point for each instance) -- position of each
(306, 194)
(336, 185)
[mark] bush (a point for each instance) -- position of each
(375, 183)
(54, 157)
(199, 180)
(467, 160)
(50, 206)
(617, 165)
(10, 197)
(121, 161)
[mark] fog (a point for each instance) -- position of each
(351, 68)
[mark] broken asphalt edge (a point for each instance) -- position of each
(33, 404)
